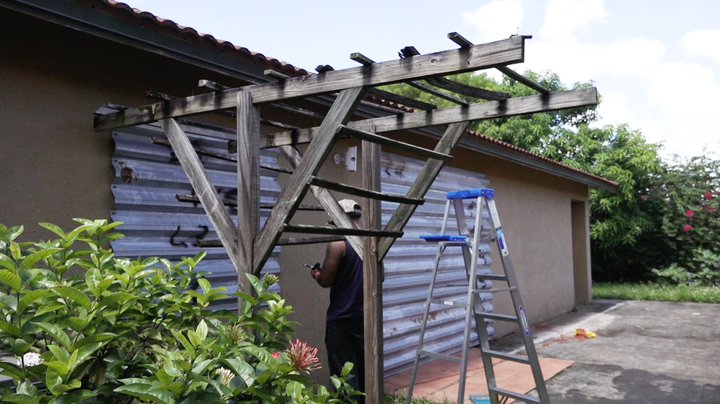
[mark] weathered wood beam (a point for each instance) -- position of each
(422, 87)
(362, 192)
(233, 203)
(372, 279)
(477, 57)
(408, 102)
(326, 199)
(203, 187)
(422, 184)
(523, 80)
(480, 111)
(168, 97)
(221, 156)
(395, 144)
(340, 112)
(466, 90)
(352, 231)
(248, 186)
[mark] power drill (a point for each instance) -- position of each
(314, 269)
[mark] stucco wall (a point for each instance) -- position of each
(54, 166)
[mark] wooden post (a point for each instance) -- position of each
(372, 279)
(205, 190)
(248, 194)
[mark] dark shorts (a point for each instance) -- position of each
(345, 342)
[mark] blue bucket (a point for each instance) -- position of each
(480, 399)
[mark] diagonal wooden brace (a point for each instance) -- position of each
(290, 197)
(200, 181)
(422, 184)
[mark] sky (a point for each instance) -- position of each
(655, 63)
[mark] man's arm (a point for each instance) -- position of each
(334, 253)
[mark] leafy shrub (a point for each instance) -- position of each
(136, 331)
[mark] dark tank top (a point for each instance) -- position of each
(346, 292)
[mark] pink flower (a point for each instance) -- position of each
(689, 213)
(302, 357)
(276, 354)
(708, 195)
(687, 228)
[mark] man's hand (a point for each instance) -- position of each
(315, 270)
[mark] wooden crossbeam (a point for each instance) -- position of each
(326, 199)
(396, 144)
(422, 184)
(352, 231)
(475, 112)
(422, 87)
(221, 156)
(349, 189)
(191, 164)
(233, 203)
(477, 57)
(340, 112)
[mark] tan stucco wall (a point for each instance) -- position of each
(54, 166)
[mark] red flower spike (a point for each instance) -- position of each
(689, 213)
(302, 357)
(687, 228)
(276, 354)
(708, 195)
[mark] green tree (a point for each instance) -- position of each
(620, 222)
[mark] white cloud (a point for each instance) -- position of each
(564, 18)
(702, 43)
(614, 110)
(496, 20)
(684, 95)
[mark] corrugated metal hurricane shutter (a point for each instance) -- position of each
(409, 263)
(147, 178)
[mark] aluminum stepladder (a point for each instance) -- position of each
(484, 197)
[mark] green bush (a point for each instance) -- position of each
(136, 331)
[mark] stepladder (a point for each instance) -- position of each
(469, 240)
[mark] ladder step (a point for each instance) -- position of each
(385, 141)
(471, 193)
(506, 356)
(510, 289)
(302, 228)
(349, 189)
(517, 396)
(440, 356)
(492, 277)
(495, 316)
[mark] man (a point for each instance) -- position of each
(342, 272)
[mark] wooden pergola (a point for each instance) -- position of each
(249, 246)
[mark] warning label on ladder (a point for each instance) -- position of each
(494, 213)
(501, 241)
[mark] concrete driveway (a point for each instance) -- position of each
(645, 352)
